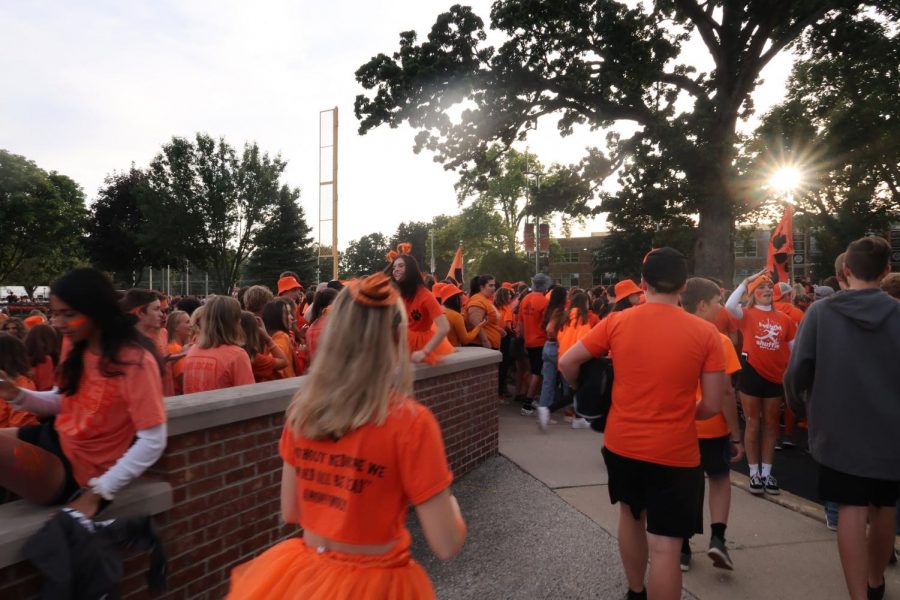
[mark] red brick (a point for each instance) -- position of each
(223, 432)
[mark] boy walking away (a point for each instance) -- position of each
(844, 373)
(651, 449)
(532, 330)
(720, 436)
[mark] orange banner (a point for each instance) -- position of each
(456, 267)
(781, 248)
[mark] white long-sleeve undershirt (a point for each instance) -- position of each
(43, 404)
(733, 304)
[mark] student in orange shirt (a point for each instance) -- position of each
(530, 328)
(43, 347)
(109, 420)
(428, 327)
(318, 317)
(720, 436)
(480, 309)
(14, 364)
(145, 307)
(357, 451)
(650, 442)
(555, 317)
(178, 335)
(628, 295)
(783, 300)
(266, 358)
(451, 298)
(277, 319)
(768, 335)
(217, 360)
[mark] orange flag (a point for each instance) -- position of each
(456, 267)
(781, 248)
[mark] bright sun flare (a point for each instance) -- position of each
(785, 179)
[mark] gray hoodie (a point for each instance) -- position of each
(845, 372)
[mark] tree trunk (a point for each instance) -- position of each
(714, 251)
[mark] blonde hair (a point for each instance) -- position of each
(172, 323)
(256, 298)
(362, 363)
(220, 323)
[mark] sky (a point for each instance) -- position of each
(91, 87)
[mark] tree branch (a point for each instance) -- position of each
(685, 83)
(707, 28)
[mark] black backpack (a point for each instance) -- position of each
(594, 395)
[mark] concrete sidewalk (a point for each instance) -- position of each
(778, 552)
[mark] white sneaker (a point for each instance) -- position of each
(543, 417)
(580, 423)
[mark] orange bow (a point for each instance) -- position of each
(402, 248)
(375, 290)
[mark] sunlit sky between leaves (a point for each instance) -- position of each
(90, 87)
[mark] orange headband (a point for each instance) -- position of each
(375, 290)
(751, 287)
(404, 248)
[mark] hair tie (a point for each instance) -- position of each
(375, 291)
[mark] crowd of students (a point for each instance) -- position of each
(84, 413)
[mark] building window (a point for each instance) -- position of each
(570, 255)
(742, 274)
(745, 248)
(568, 279)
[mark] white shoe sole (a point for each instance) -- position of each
(720, 560)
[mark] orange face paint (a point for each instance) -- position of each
(77, 321)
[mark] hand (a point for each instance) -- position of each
(418, 356)
(87, 503)
(754, 276)
(8, 390)
(738, 449)
(483, 323)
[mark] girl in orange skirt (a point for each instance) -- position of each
(428, 327)
(357, 450)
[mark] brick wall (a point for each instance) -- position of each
(226, 482)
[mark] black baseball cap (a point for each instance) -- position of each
(665, 270)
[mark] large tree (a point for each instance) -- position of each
(42, 216)
(283, 244)
(365, 256)
(596, 63)
(210, 202)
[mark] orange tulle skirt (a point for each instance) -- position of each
(292, 569)
(418, 339)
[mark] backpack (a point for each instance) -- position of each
(594, 395)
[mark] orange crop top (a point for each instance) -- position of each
(356, 490)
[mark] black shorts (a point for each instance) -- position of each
(672, 496)
(853, 490)
(536, 359)
(44, 436)
(754, 384)
(715, 456)
(517, 347)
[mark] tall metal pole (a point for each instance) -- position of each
(207, 284)
(151, 278)
(334, 199)
(432, 252)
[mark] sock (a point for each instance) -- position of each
(718, 530)
(766, 470)
(685, 546)
(754, 470)
(641, 595)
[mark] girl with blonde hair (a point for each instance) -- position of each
(357, 450)
(218, 360)
(178, 336)
(266, 357)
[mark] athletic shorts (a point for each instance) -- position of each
(536, 359)
(44, 436)
(853, 490)
(672, 496)
(715, 456)
(754, 384)
(517, 347)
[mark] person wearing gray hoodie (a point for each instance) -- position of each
(844, 375)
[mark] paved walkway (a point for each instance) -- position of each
(541, 526)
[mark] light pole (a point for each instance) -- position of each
(537, 219)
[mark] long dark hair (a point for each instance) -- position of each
(623, 304)
(273, 317)
(454, 302)
(477, 282)
(412, 279)
(42, 341)
(91, 293)
(555, 306)
(13, 358)
(323, 300)
(601, 307)
(579, 303)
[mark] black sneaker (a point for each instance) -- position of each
(719, 554)
(756, 484)
(685, 562)
(527, 410)
(876, 593)
(778, 444)
(641, 595)
(771, 486)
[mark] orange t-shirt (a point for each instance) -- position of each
(356, 489)
(161, 340)
(176, 369)
(44, 375)
(422, 310)
(717, 426)
(659, 353)
(313, 335)
(98, 423)
(9, 416)
(531, 312)
(507, 319)
(286, 345)
(264, 367)
(766, 335)
(572, 333)
(725, 323)
(493, 328)
(216, 368)
(790, 310)
(458, 334)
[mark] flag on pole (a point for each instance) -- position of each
(781, 248)
(456, 267)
